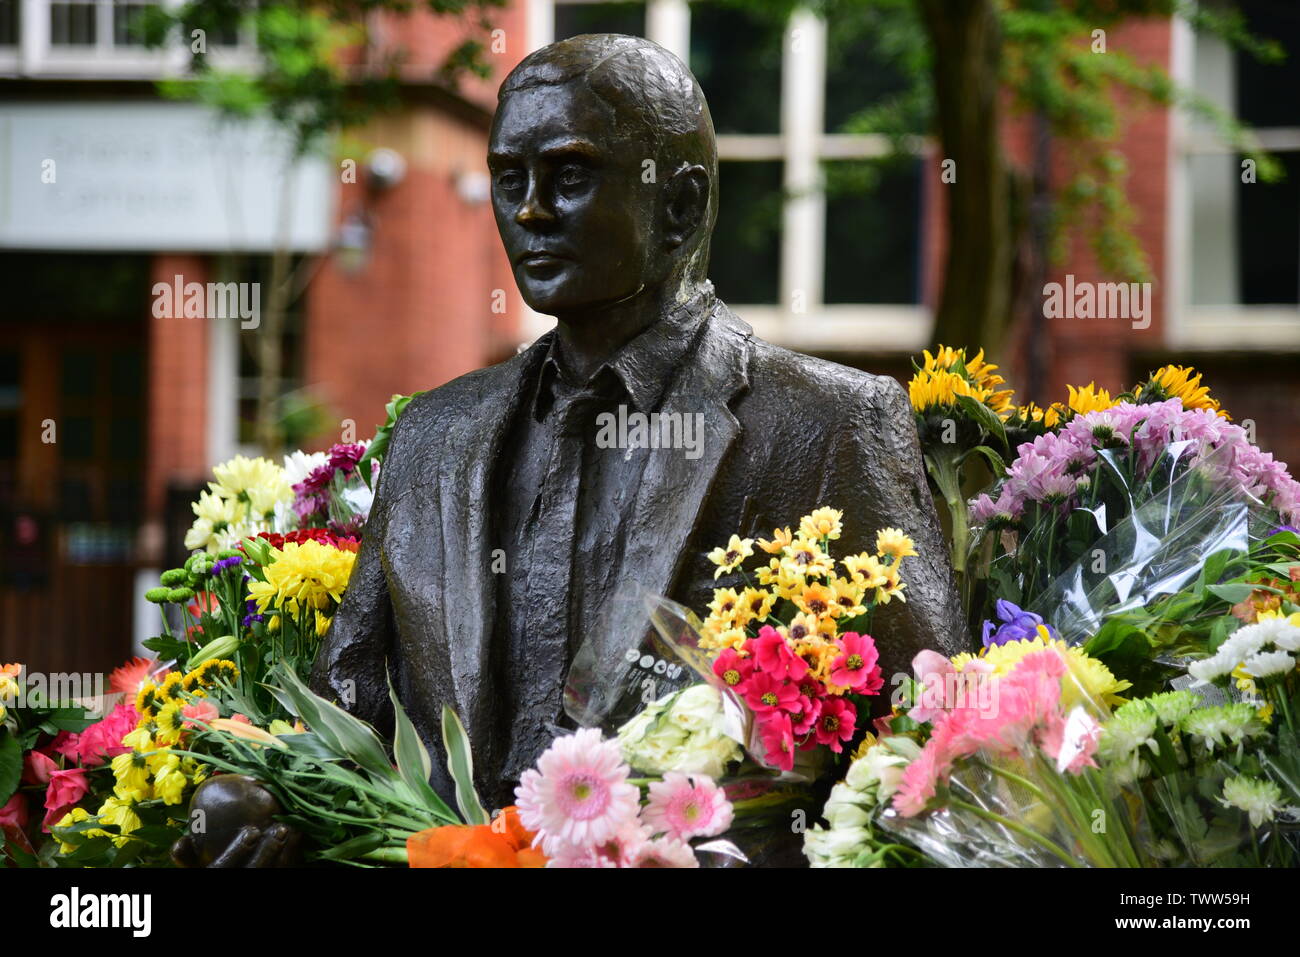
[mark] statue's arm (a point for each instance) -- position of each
(878, 472)
(350, 665)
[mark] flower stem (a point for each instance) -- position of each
(1017, 828)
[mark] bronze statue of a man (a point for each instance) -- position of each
(503, 526)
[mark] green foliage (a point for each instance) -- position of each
(303, 82)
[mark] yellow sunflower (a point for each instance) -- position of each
(1182, 383)
(729, 557)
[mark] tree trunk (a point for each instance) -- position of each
(965, 40)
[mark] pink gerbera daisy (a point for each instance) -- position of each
(775, 657)
(578, 795)
(666, 852)
(686, 806)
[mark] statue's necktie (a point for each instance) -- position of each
(550, 562)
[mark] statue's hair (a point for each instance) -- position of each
(653, 96)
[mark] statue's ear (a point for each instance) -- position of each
(686, 204)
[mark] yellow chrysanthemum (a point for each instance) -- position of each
(131, 776)
(76, 816)
(825, 522)
(120, 813)
(1089, 398)
(171, 688)
(169, 781)
(146, 699)
(729, 557)
(1093, 681)
(303, 575)
(258, 482)
(893, 543)
(169, 723)
(1182, 383)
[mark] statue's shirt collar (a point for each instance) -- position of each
(644, 367)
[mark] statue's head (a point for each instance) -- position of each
(604, 173)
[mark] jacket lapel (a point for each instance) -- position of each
(674, 488)
(469, 587)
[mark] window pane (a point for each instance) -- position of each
(9, 23)
(866, 50)
(745, 256)
(574, 19)
(873, 231)
(72, 24)
(1268, 236)
(126, 19)
(1267, 92)
(736, 56)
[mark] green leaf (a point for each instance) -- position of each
(378, 446)
(460, 764)
(413, 762)
(11, 766)
(995, 461)
(352, 737)
(356, 847)
(1233, 594)
(987, 419)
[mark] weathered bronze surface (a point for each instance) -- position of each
(604, 187)
(468, 589)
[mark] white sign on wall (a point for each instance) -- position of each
(154, 176)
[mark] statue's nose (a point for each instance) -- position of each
(533, 211)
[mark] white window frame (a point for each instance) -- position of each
(36, 56)
(801, 319)
(1190, 326)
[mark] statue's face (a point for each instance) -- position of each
(575, 217)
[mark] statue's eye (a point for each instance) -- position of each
(509, 180)
(571, 176)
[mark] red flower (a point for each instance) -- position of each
(765, 693)
(13, 821)
(836, 723)
(778, 740)
(802, 721)
(733, 669)
(65, 790)
(856, 667)
(38, 767)
(774, 656)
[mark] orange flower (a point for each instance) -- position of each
(503, 843)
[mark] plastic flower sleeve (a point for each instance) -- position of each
(1160, 548)
(1017, 785)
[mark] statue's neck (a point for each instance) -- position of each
(590, 338)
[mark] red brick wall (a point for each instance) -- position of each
(178, 388)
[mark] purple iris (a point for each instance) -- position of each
(252, 615)
(1017, 625)
(224, 563)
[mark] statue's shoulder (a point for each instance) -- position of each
(781, 375)
(439, 421)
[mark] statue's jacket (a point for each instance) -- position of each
(784, 433)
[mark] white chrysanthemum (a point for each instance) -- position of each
(1211, 669)
(1280, 632)
(1268, 663)
(1232, 723)
(1260, 799)
(298, 465)
(1129, 729)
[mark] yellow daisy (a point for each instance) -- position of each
(824, 522)
(728, 558)
(781, 539)
(817, 600)
(866, 570)
(892, 542)
(805, 558)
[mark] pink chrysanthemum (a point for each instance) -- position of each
(685, 806)
(666, 852)
(578, 795)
